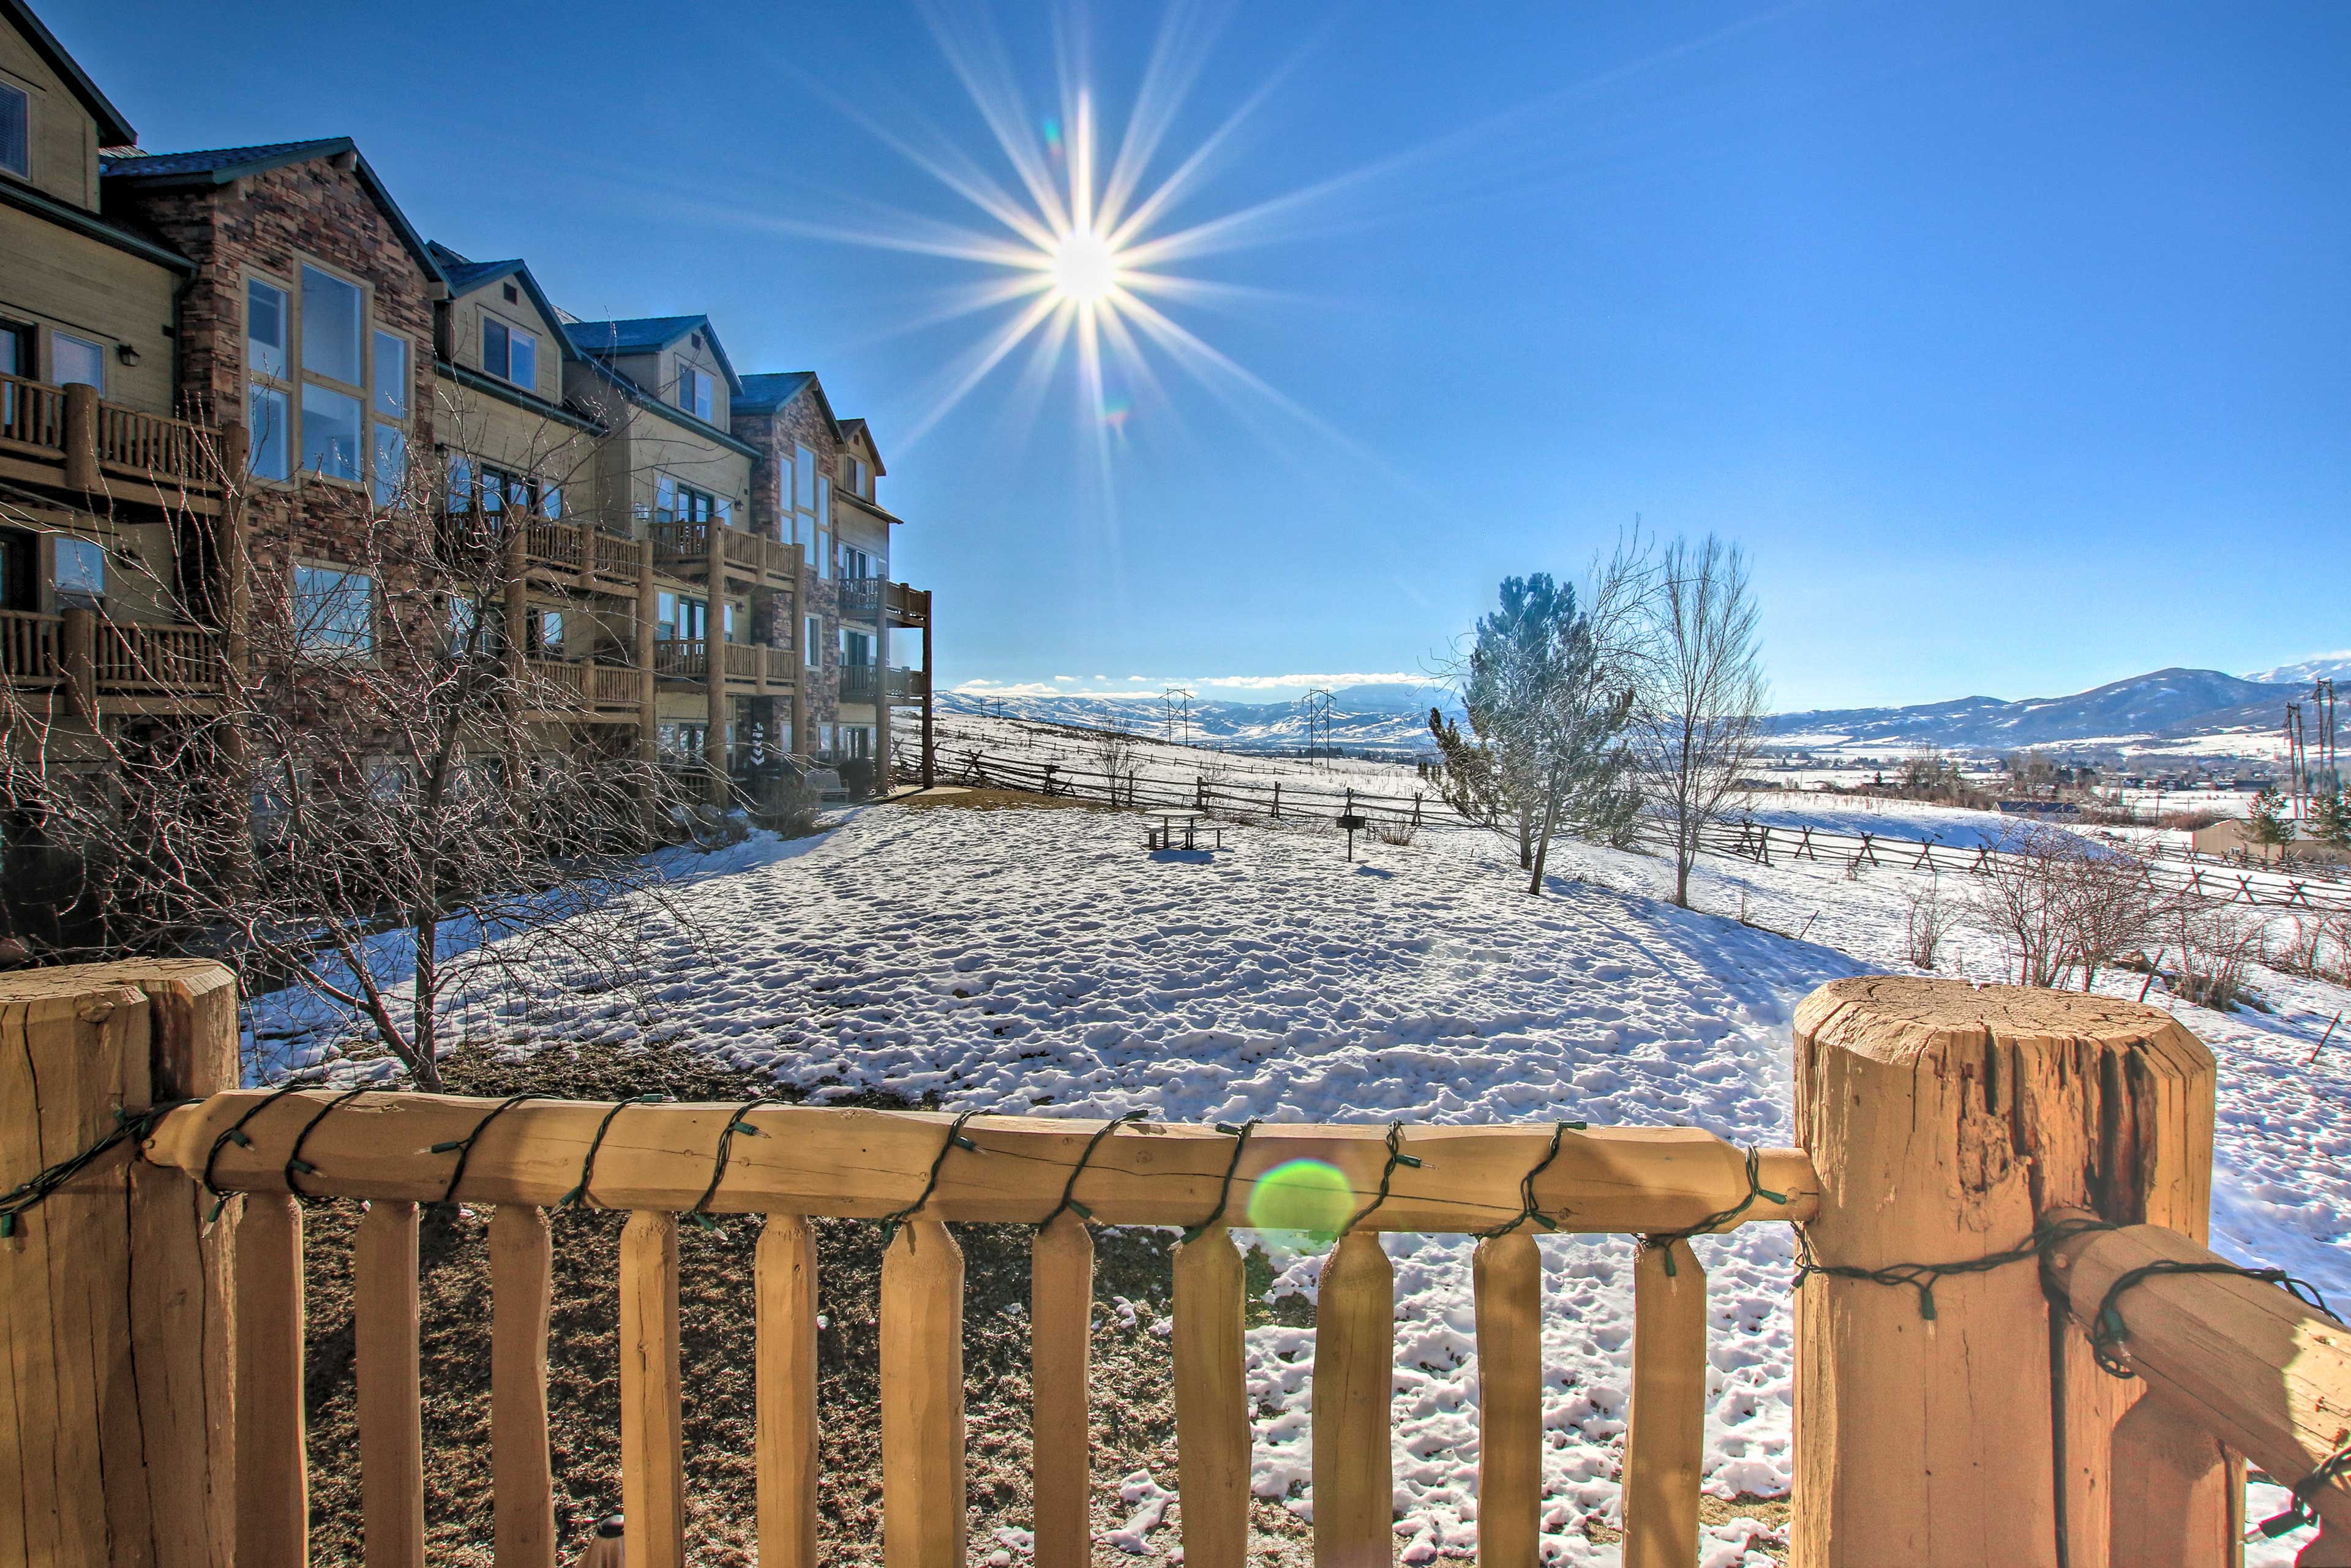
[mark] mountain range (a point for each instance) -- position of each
(2154, 712)
(2175, 710)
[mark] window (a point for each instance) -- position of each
(855, 564)
(509, 353)
(694, 391)
(469, 632)
(334, 612)
(733, 620)
(856, 650)
(676, 617)
(813, 642)
(15, 132)
(81, 571)
(550, 500)
(331, 313)
(390, 463)
(265, 329)
(676, 503)
(860, 478)
(461, 484)
(546, 631)
(15, 350)
(268, 419)
(824, 526)
(391, 376)
(77, 361)
(330, 433)
(17, 551)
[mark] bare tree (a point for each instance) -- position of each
(1113, 752)
(382, 795)
(2019, 899)
(1926, 918)
(1700, 715)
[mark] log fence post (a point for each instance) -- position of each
(1944, 1121)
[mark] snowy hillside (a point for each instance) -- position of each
(1388, 717)
(2141, 713)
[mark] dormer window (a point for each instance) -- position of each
(15, 132)
(509, 353)
(694, 392)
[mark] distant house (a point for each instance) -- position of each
(2234, 836)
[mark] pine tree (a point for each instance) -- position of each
(2266, 819)
(2330, 821)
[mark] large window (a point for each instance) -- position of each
(509, 353)
(678, 617)
(15, 350)
(331, 314)
(674, 502)
(15, 132)
(812, 639)
(334, 612)
(330, 432)
(77, 361)
(326, 394)
(824, 526)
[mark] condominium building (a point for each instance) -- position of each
(217, 367)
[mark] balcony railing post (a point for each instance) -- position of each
(78, 662)
(81, 437)
(1944, 1120)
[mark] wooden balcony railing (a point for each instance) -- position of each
(89, 444)
(132, 657)
(686, 548)
(616, 686)
(907, 607)
(909, 688)
(1961, 1170)
(783, 666)
(861, 682)
(28, 647)
(555, 685)
(682, 658)
(742, 661)
(124, 657)
(860, 598)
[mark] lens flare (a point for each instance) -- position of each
(1306, 1198)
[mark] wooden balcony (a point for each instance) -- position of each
(605, 562)
(685, 549)
(909, 688)
(81, 653)
(906, 606)
(861, 598)
(69, 438)
(746, 666)
(861, 682)
(563, 687)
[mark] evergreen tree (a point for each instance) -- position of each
(2266, 819)
(2330, 821)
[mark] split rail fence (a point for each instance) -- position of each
(1957, 1147)
(2270, 888)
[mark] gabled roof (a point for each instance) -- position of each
(770, 391)
(221, 165)
(647, 334)
(662, 406)
(466, 276)
(113, 130)
(855, 429)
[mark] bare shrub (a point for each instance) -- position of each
(2218, 944)
(1926, 919)
(2060, 904)
(1397, 830)
(1112, 752)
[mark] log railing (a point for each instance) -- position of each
(28, 647)
(1950, 1409)
(557, 685)
(91, 438)
(682, 658)
(742, 661)
(131, 656)
(793, 1163)
(32, 413)
(860, 682)
(783, 667)
(616, 686)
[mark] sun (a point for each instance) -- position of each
(1085, 269)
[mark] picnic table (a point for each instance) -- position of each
(1162, 835)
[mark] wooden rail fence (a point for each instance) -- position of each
(1956, 1423)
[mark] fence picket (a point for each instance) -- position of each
(1061, 1321)
(922, 1399)
(653, 1443)
(273, 1488)
(1665, 1444)
(1507, 1280)
(522, 1273)
(1212, 1424)
(786, 1379)
(1354, 1376)
(389, 1388)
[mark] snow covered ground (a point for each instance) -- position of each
(1022, 957)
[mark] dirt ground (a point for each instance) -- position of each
(1133, 1407)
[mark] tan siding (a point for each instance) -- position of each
(65, 139)
(57, 278)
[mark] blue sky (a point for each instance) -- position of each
(2012, 341)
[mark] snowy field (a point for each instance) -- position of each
(1023, 959)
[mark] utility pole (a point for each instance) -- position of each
(1318, 705)
(1178, 701)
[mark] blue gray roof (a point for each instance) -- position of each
(644, 334)
(219, 165)
(224, 164)
(113, 130)
(771, 390)
(465, 277)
